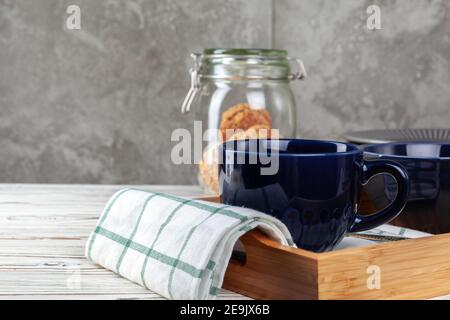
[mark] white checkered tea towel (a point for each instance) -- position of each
(176, 247)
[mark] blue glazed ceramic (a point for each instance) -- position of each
(428, 166)
(314, 191)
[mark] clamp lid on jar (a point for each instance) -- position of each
(241, 65)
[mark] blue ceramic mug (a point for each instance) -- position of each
(312, 186)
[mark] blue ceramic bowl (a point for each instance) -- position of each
(428, 167)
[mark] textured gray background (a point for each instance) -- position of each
(98, 105)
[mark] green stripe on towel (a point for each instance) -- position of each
(181, 265)
(127, 245)
(102, 219)
(161, 228)
(214, 291)
(186, 241)
(203, 206)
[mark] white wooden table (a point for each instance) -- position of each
(43, 231)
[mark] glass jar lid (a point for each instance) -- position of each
(241, 64)
(244, 64)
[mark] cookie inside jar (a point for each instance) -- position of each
(239, 122)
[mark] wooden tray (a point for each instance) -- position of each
(407, 269)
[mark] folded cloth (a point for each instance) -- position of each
(383, 230)
(389, 230)
(176, 247)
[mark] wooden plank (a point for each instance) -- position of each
(43, 231)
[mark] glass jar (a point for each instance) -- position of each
(239, 94)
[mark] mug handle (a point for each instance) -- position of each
(370, 169)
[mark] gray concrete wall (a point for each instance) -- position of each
(398, 76)
(98, 105)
